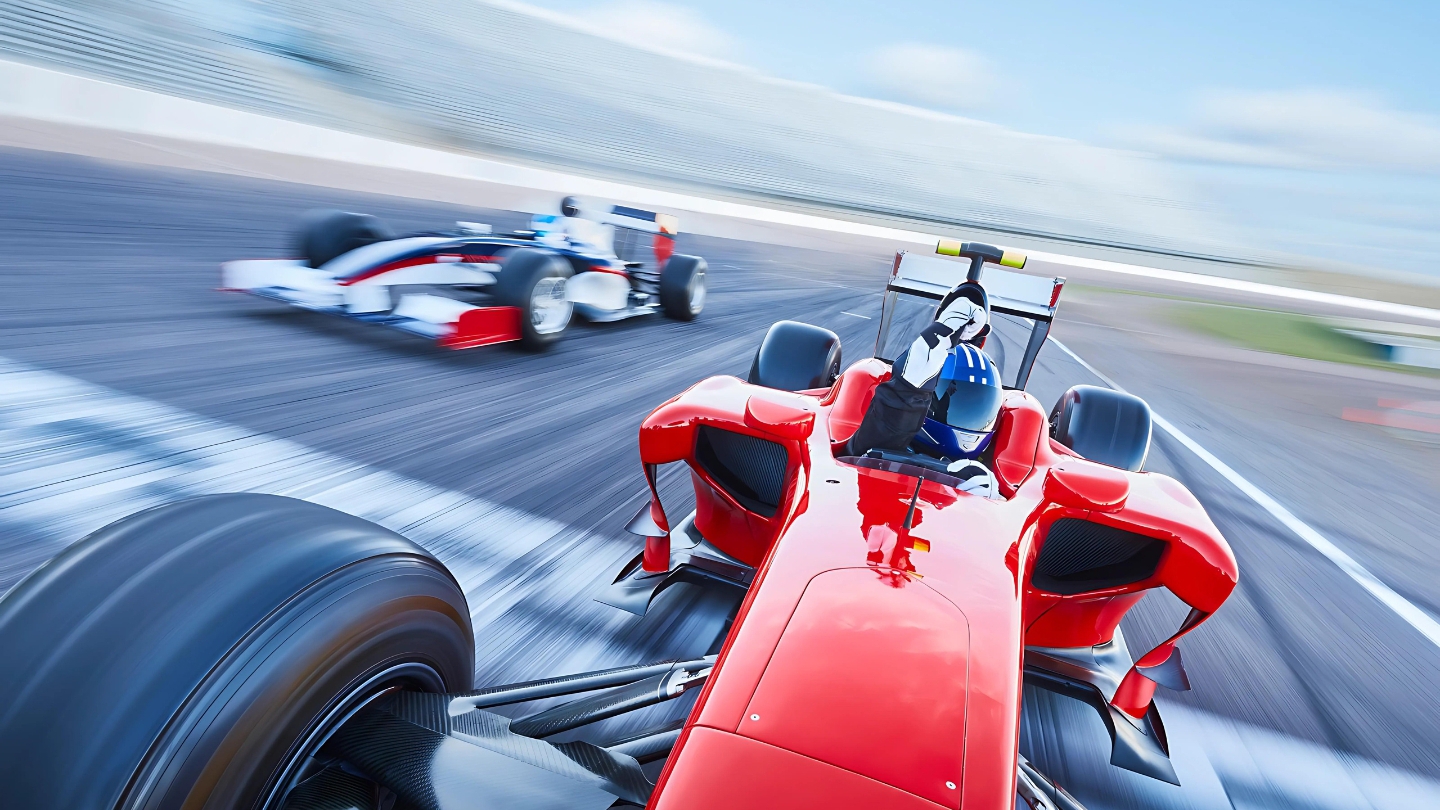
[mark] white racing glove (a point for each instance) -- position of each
(977, 478)
(961, 320)
(964, 316)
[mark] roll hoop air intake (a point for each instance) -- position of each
(978, 253)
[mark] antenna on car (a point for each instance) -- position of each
(978, 253)
(910, 515)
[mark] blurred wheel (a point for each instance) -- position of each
(325, 234)
(198, 654)
(534, 281)
(682, 287)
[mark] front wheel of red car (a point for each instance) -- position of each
(1104, 425)
(198, 654)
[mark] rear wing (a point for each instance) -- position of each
(918, 282)
(632, 224)
(637, 220)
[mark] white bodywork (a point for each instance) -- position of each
(367, 298)
(293, 282)
(577, 232)
(317, 288)
(608, 291)
(431, 315)
(303, 286)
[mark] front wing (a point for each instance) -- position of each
(451, 323)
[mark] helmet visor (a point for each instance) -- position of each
(965, 405)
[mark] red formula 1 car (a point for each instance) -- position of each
(253, 651)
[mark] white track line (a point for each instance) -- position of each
(1402, 607)
(1237, 285)
(75, 457)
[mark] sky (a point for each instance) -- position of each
(1318, 103)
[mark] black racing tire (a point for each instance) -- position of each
(682, 287)
(325, 234)
(1104, 425)
(525, 277)
(796, 356)
(184, 656)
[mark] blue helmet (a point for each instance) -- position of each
(966, 403)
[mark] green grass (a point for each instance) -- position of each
(1278, 332)
(1265, 330)
(1283, 333)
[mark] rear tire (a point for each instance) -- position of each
(326, 234)
(186, 654)
(534, 281)
(1111, 427)
(682, 287)
(796, 356)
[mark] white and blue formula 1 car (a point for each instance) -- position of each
(469, 287)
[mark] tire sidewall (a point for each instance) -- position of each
(228, 746)
(137, 655)
(678, 280)
(519, 275)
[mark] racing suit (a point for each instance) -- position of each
(901, 403)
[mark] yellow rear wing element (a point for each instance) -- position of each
(978, 253)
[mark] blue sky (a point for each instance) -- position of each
(1083, 69)
(1324, 115)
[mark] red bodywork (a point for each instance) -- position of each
(484, 326)
(872, 665)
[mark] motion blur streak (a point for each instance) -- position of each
(108, 278)
(1240, 285)
(77, 456)
(1403, 608)
(137, 115)
(482, 77)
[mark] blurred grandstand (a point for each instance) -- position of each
(500, 79)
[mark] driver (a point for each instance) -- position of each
(571, 229)
(944, 396)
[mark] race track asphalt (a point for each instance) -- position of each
(107, 277)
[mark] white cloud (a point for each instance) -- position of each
(932, 75)
(1318, 129)
(1189, 145)
(661, 26)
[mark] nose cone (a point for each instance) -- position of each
(870, 676)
